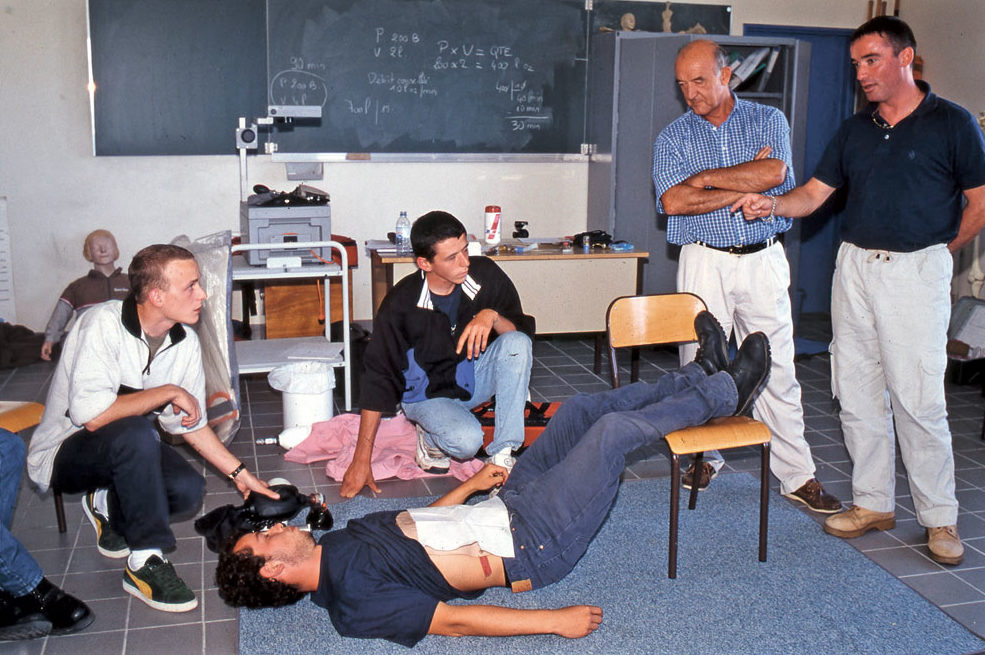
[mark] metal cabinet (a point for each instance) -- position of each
(260, 356)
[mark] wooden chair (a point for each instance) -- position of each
(659, 319)
(20, 415)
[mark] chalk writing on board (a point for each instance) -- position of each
(299, 85)
(429, 75)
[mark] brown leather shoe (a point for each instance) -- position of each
(945, 545)
(707, 474)
(812, 494)
(856, 521)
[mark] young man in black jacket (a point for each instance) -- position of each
(445, 340)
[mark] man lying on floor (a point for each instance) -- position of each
(390, 574)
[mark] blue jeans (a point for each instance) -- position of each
(503, 370)
(19, 573)
(562, 488)
(148, 481)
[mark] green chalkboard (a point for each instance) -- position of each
(433, 76)
(391, 76)
(172, 76)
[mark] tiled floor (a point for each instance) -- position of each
(562, 368)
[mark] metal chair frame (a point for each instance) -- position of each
(665, 319)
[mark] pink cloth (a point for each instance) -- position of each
(393, 453)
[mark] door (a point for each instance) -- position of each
(830, 101)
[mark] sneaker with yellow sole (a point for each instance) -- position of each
(157, 584)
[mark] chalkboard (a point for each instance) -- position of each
(429, 76)
(172, 76)
(392, 76)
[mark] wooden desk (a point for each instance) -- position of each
(566, 293)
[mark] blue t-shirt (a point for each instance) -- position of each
(377, 583)
(448, 305)
(905, 184)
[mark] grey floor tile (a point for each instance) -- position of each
(943, 588)
(970, 615)
(401, 488)
(909, 532)
(111, 613)
(222, 637)
(439, 486)
(30, 647)
(974, 577)
(168, 640)
(143, 616)
(903, 560)
(102, 585)
(105, 643)
(213, 607)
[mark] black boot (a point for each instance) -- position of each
(712, 353)
(66, 613)
(750, 369)
(15, 624)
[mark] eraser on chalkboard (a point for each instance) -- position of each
(357, 156)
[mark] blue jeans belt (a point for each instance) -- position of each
(741, 250)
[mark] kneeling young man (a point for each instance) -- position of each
(389, 575)
(124, 365)
(446, 339)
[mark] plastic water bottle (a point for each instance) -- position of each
(402, 233)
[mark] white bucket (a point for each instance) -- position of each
(306, 388)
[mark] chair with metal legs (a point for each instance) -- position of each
(664, 319)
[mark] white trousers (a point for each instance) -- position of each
(890, 313)
(749, 293)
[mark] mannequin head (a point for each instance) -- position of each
(100, 247)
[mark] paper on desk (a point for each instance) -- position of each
(450, 527)
(327, 352)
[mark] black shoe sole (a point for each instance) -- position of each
(30, 628)
(811, 507)
(79, 625)
(746, 408)
(711, 360)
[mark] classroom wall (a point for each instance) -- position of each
(56, 191)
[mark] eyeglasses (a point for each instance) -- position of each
(879, 121)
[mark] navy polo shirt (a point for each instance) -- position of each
(377, 583)
(905, 184)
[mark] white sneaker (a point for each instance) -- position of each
(504, 458)
(429, 458)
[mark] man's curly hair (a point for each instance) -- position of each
(241, 585)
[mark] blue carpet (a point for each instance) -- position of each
(816, 595)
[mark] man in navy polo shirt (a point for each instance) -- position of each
(914, 167)
(703, 161)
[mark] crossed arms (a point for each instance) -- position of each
(716, 188)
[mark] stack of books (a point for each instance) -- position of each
(757, 65)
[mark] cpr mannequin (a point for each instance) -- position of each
(104, 282)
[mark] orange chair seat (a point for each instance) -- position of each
(19, 415)
(718, 434)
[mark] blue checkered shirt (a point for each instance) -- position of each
(691, 144)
